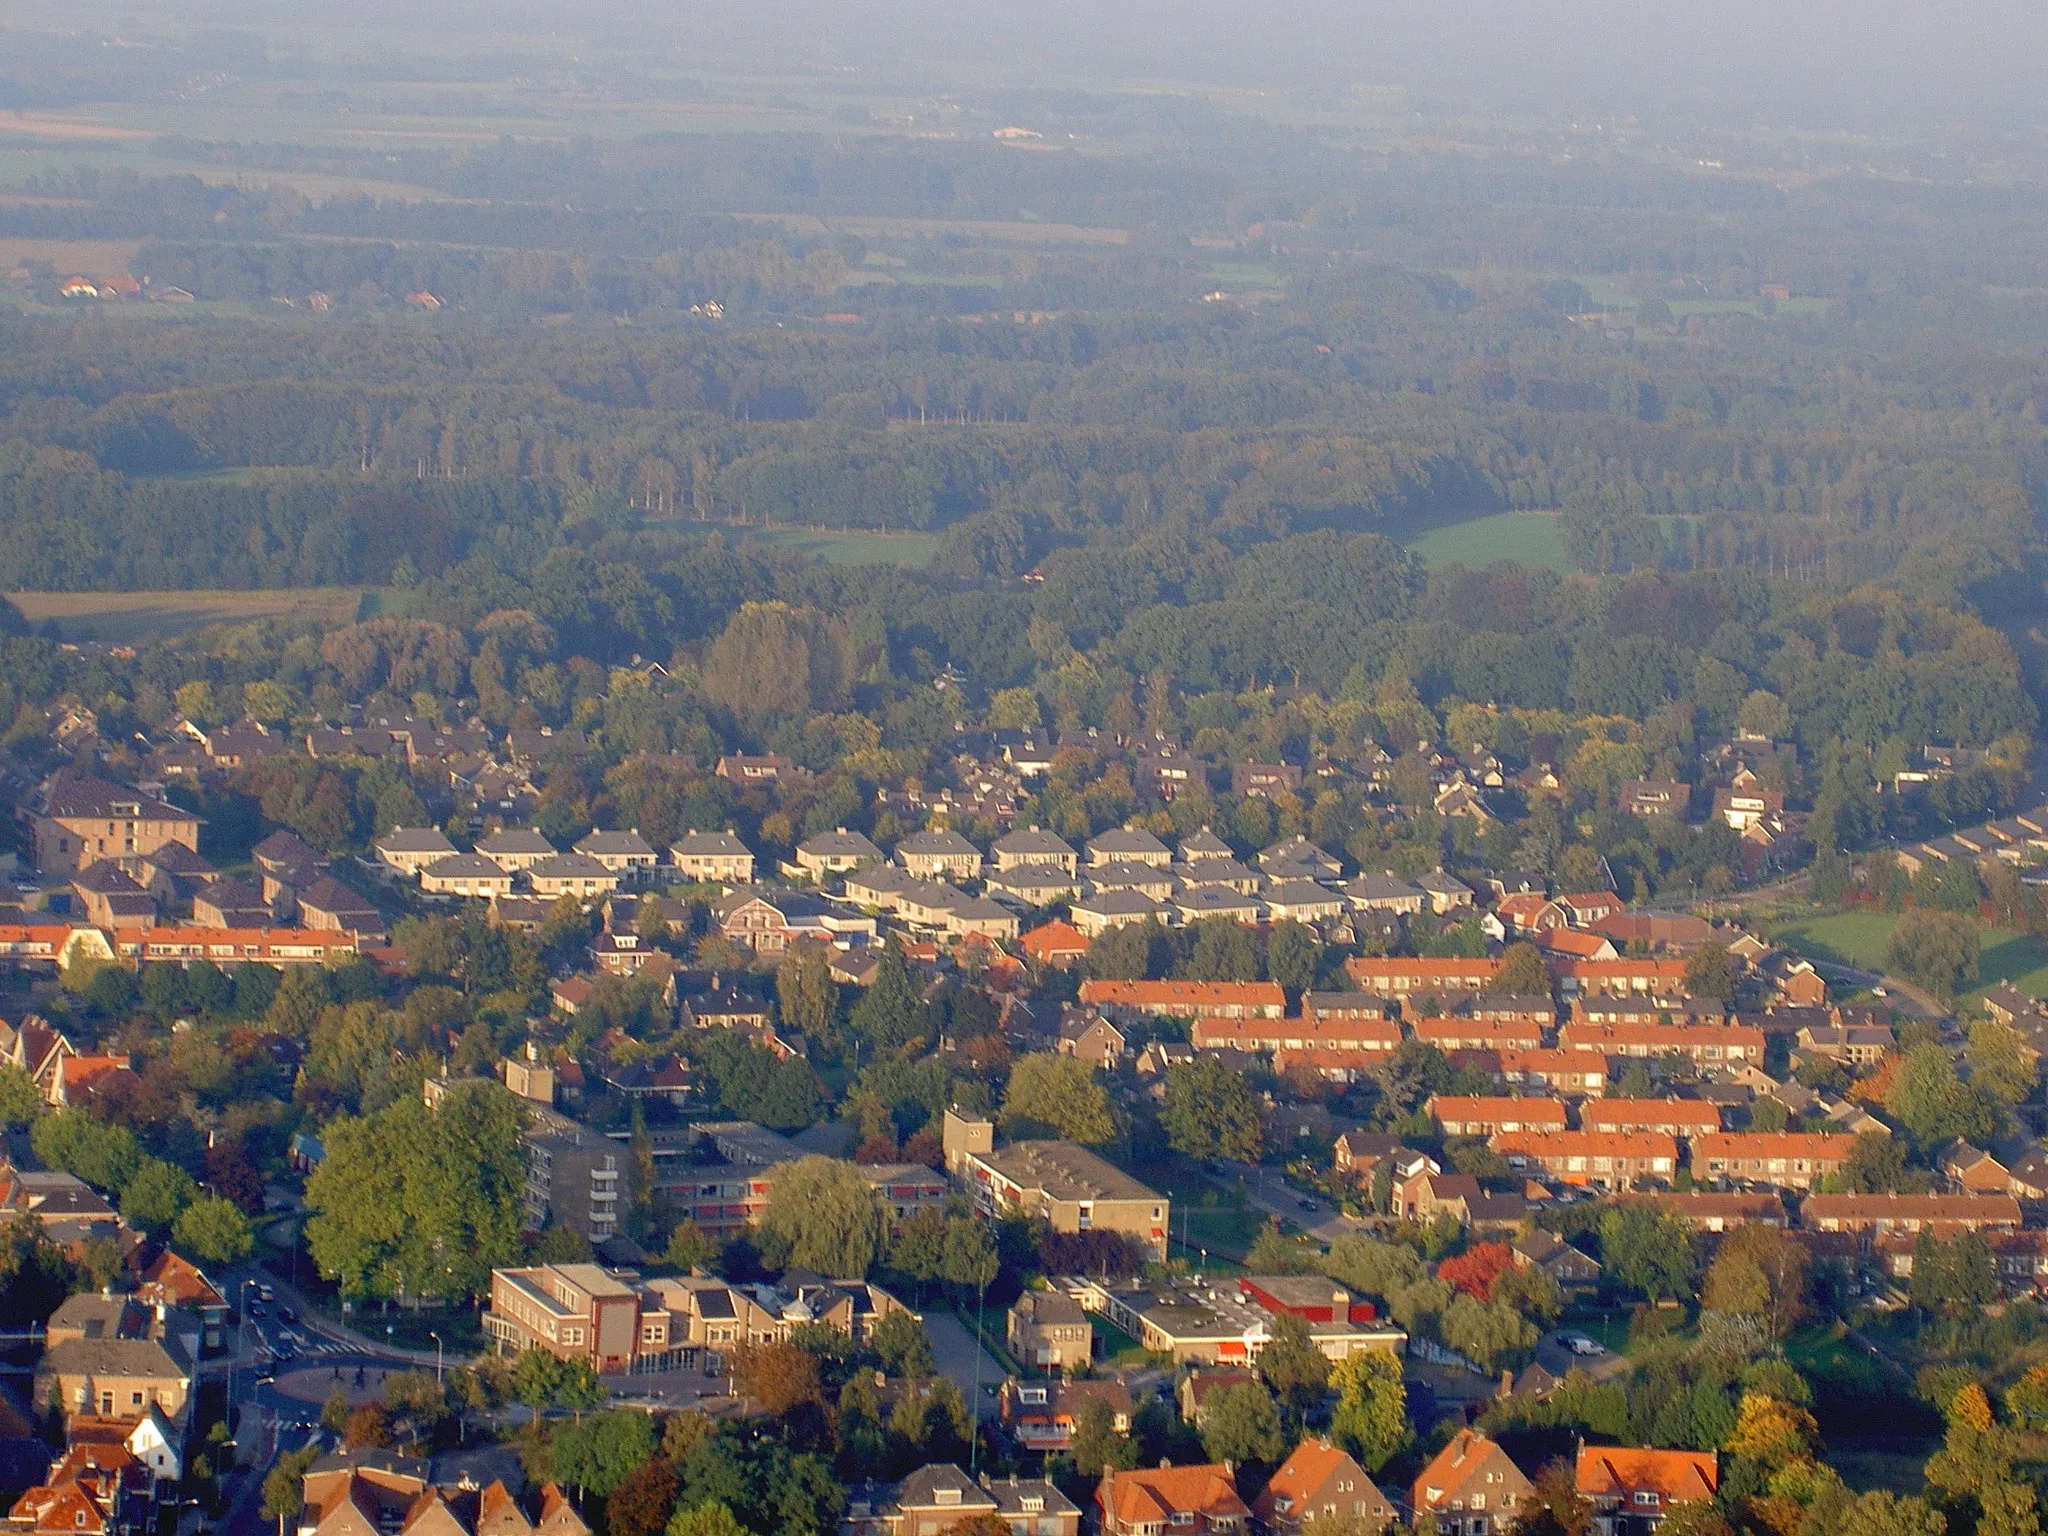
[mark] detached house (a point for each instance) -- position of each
(1154, 1501)
(1470, 1488)
(1049, 1328)
(1633, 1489)
(1320, 1481)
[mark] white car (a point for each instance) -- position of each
(1579, 1344)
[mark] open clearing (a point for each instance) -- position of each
(1858, 939)
(837, 546)
(130, 618)
(1527, 538)
(94, 258)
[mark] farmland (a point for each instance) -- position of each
(135, 618)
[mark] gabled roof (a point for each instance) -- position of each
(1151, 1495)
(515, 841)
(1033, 840)
(1305, 1472)
(1612, 1471)
(615, 843)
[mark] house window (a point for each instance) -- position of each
(1646, 1499)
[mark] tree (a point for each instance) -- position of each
(2000, 1061)
(1273, 1252)
(1647, 1251)
(828, 1214)
(779, 1377)
(214, 1231)
(1710, 972)
(1934, 1104)
(1522, 972)
(1477, 1269)
(1880, 1513)
(642, 1504)
(367, 1428)
(1953, 1276)
(1291, 1364)
(600, 1451)
(903, 1346)
(2008, 1508)
(1099, 1446)
(1212, 1112)
(104, 1155)
(1762, 1271)
(710, 1519)
(536, 1378)
(156, 1195)
(805, 989)
(20, 1100)
(1242, 1423)
(420, 1202)
(1485, 1332)
(1936, 949)
(562, 1245)
(890, 1014)
(689, 1247)
(2027, 1399)
(284, 1483)
(774, 661)
(1553, 1506)
(1876, 1165)
(1530, 1291)
(1372, 1407)
(1293, 955)
(1772, 1431)
(1060, 1094)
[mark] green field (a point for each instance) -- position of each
(134, 618)
(1527, 538)
(1858, 939)
(838, 546)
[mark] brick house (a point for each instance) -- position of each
(1320, 1481)
(1154, 1501)
(1048, 1329)
(1470, 1487)
(1632, 1489)
(80, 820)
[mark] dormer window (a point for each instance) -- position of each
(947, 1497)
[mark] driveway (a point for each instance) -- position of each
(1557, 1359)
(962, 1361)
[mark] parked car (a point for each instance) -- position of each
(1579, 1344)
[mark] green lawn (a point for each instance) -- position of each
(1858, 938)
(1528, 538)
(849, 546)
(1847, 938)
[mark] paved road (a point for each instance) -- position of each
(1276, 1197)
(962, 1361)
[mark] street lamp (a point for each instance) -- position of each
(437, 1358)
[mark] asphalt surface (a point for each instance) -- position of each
(962, 1361)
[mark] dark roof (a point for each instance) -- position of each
(80, 794)
(328, 894)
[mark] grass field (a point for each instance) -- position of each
(130, 618)
(1528, 538)
(1859, 938)
(838, 546)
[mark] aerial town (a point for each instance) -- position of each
(1144, 1179)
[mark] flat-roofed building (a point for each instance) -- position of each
(1072, 1188)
